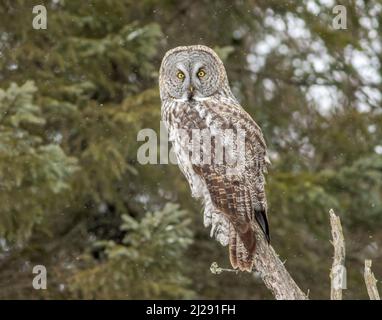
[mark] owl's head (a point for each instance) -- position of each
(193, 72)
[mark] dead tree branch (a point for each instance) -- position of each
(371, 282)
(338, 271)
(272, 271)
(274, 274)
(278, 280)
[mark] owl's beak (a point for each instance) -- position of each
(190, 92)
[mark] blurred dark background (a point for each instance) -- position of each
(74, 96)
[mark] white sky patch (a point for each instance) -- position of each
(364, 65)
(283, 49)
(255, 63)
(367, 22)
(372, 128)
(378, 149)
(376, 10)
(56, 137)
(376, 45)
(270, 89)
(373, 94)
(306, 148)
(363, 106)
(12, 66)
(265, 46)
(360, 3)
(368, 97)
(275, 22)
(143, 198)
(256, 59)
(338, 75)
(324, 97)
(3, 245)
(319, 60)
(327, 3)
(238, 33)
(296, 27)
(313, 7)
(372, 34)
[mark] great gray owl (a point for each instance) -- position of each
(195, 95)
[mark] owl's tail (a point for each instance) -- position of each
(242, 249)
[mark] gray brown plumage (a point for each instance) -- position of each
(195, 94)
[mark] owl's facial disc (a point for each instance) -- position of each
(191, 75)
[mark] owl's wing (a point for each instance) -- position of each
(239, 196)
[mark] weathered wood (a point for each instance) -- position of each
(271, 270)
(371, 282)
(274, 274)
(278, 280)
(338, 271)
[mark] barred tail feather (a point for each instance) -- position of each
(242, 249)
(232, 247)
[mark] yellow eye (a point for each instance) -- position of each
(180, 75)
(201, 73)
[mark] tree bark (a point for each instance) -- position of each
(338, 271)
(273, 272)
(278, 280)
(371, 282)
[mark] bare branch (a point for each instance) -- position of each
(273, 273)
(271, 270)
(215, 269)
(277, 279)
(338, 271)
(371, 282)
